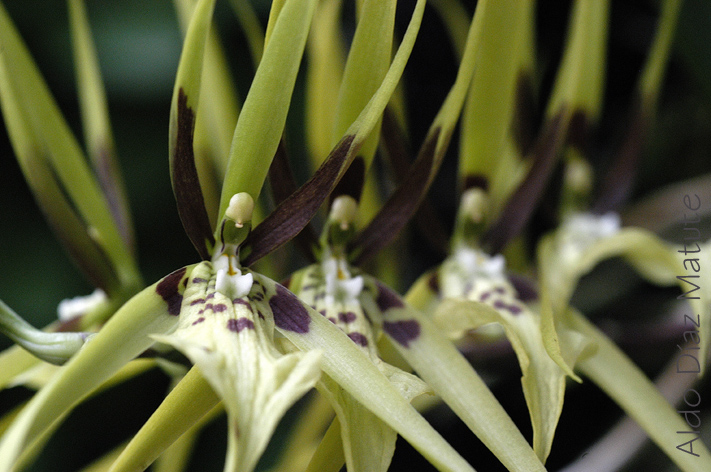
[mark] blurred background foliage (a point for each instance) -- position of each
(138, 45)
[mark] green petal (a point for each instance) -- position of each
(347, 365)
(184, 164)
(191, 399)
(627, 385)
(95, 120)
(366, 66)
(562, 265)
(123, 337)
(267, 103)
(323, 77)
(14, 361)
(451, 376)
(543, 381)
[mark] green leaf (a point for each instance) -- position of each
(57, 171)
(95, 120)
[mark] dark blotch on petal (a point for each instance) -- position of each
(168, 290)
(347, 317)
(289, 313)
(239, 324)
(402, 331)
(359, 339)
(388, 299)
(243, 302)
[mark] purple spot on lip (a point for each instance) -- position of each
(332, 320)
(289, 313)
(239, 324)
(219, 307)
(243, 302)
(168, 290)
(402, 331)
(198, 301)
(484, 296)
(359, 339)
(210, 295)
(515, 310)
(198, 280)
(347, 317)
(388, 299)
(198, 321)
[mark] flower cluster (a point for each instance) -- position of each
(246, 333)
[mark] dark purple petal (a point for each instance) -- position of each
(526, 198)
(294, 213)
(402, 204)
(186, 185)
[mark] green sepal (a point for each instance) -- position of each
(560, 271)
(189, 401)
(450, 375)
(124, 336)
(626, 384)
(265, 108)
